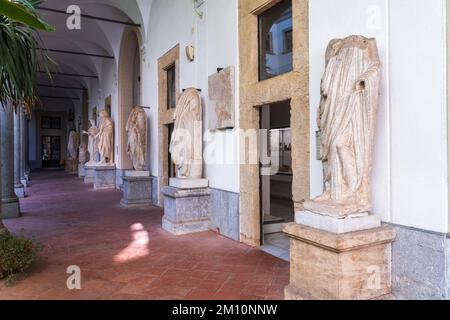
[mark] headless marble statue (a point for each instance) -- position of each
(105, 138)
(72, 147)
(186, 145)
(347, 116)
(137, 138)
(92, 142)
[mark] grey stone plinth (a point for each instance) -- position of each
(186, 211)
(337, 225)
(81, 171)
(19, 190)
(134, 173)
(10, 208)
(104, 177)
(89, 174)
(137, 191)
(184, 183)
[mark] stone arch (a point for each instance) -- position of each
(130, 89)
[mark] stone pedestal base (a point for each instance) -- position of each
(81, 170)
(181, 183)
(105, 177)
(136, 174)
(337, 225)
(10, 208)
(89, 173)
(137, 191)
(186, 211)
(19, 190)
(349, 266)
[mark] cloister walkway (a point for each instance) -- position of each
(124, 253)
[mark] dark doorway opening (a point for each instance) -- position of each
(172, 168)
(51, 151)
(276, 174)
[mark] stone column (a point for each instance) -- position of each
(23, 178)
(27, 146)
(20, 190)
(10, 202)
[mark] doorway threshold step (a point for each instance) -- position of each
(273, 224)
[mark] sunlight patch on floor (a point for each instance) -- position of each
(138, 248)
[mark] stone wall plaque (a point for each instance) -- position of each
(221, 100)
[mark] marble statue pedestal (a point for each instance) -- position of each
(19, 190)
(81, 170)
(136, 189)
(183, 183)
(104, 177)
(337, 225)
(10, 208)
(72, 166)
(89, 173)
(346, 266)
(186, 210)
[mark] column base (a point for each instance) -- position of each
(19, 191)
(186, 211)
(104, 177)
(137, 191)
(350, 266)
(10, 208)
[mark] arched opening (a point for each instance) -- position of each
(129, 90)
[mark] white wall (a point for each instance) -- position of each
(410, 163)
(175, 22)
(166, 24)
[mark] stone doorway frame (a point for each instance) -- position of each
(293, 86)
(131, 41)
(165, 115)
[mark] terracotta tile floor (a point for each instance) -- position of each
(124, 253)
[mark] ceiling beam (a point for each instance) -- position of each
(78, 53)
(69, 74)
(62, 98)
(87, 16)
(59, 87)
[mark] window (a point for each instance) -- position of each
(171, 91)
(275, 40)
(51, 123)
(287, 41)
(269, 43)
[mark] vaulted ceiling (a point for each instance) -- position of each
(96, 37)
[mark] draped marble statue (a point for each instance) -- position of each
(105, 138)
(72, 146)
(186, 145)
(347, 117)
(92, 142)
(136, 128)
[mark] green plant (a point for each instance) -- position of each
(20, 57)
(24, 12)
(16, 254)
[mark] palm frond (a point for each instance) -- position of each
(20, 58)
